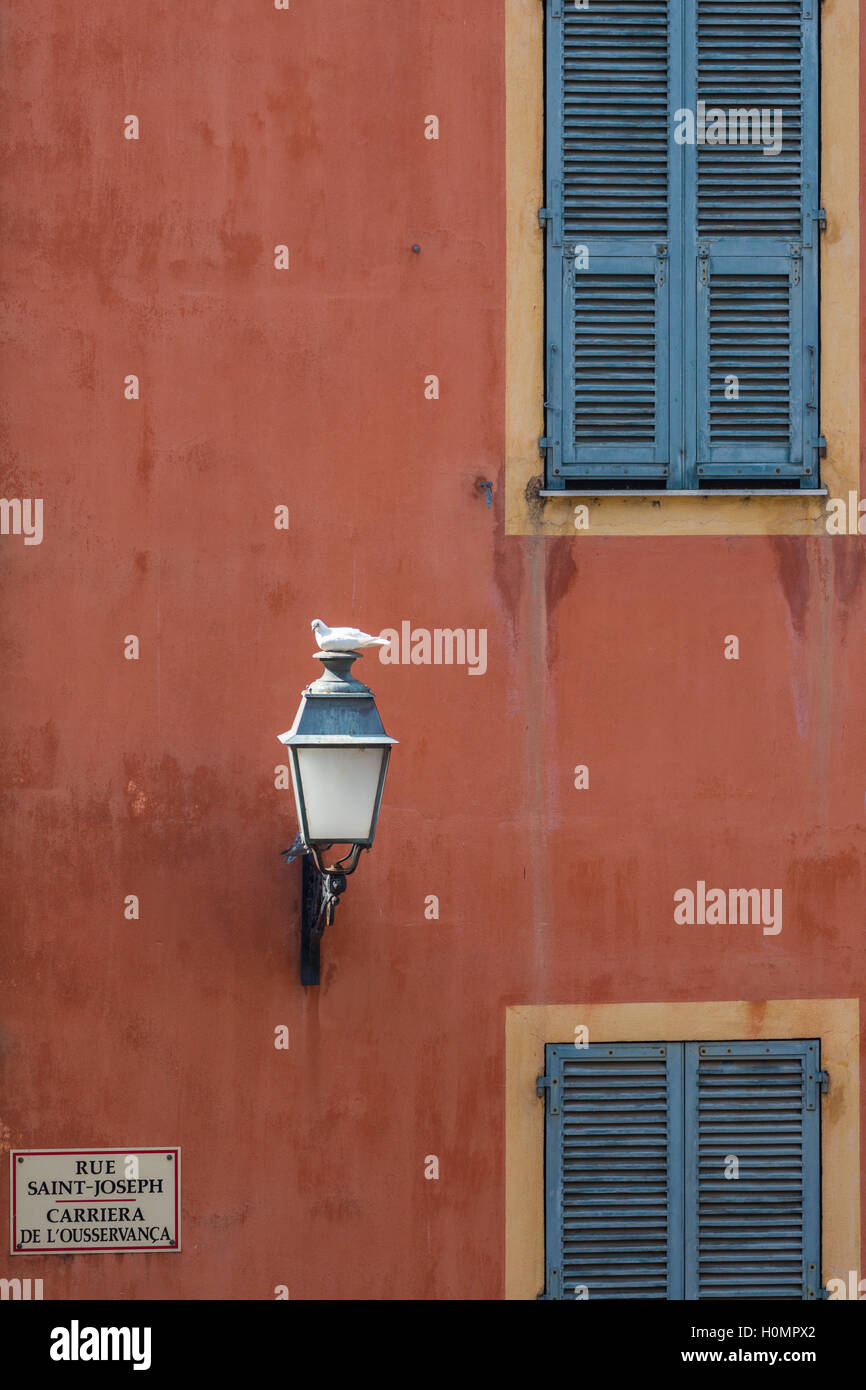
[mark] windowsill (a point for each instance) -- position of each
(682, 492)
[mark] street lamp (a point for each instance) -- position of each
(338, 754)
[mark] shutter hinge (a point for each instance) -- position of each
(823, 1293)
(549, 442)
(819, 215)
(550, 1084)
(703, 259)
(553, 213)
(816, 1081)
(821, 445)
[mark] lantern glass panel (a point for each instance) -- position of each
(340, 785)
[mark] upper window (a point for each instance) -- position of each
(683, 1170)
(682, 215)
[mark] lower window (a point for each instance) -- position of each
(683, 1170)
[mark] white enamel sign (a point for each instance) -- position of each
(89, 1201)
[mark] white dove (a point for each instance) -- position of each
(344, 639)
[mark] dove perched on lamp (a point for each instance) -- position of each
(344, 639)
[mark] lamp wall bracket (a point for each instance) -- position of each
(321, 890)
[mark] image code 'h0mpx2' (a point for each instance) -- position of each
(682, 235)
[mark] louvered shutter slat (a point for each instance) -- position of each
(756, 1235)
(751, 313)
(609, 88)
(750, 58)
(754, 272)
(616, 360)
(614, 1223)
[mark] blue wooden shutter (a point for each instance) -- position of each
(611, 76)
(638, 1140)
(614, 1171)
(758, 1235)
(752, 246)
(703, 258)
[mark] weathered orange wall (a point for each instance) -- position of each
(156, 777)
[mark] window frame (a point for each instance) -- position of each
(529, 1026)
(533, 510)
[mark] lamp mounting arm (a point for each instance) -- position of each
(321, 890)
(350, 861)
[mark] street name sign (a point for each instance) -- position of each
(92, 1201)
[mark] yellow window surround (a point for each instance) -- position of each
(529, 1026)
(683, 514)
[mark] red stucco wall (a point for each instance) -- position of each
(156, 778)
